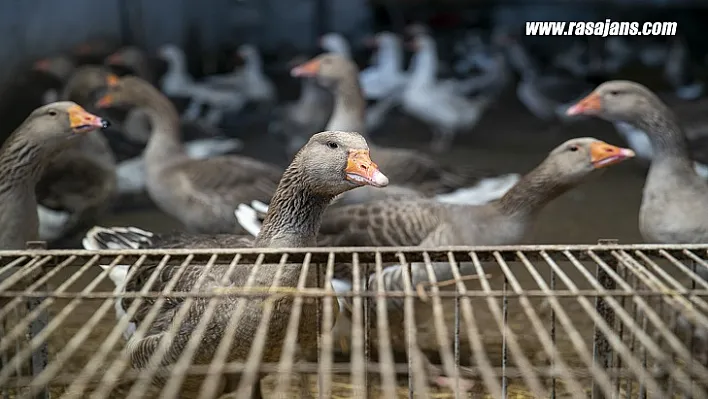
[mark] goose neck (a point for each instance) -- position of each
(349, 107)
(294, 214)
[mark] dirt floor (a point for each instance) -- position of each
(508, 140)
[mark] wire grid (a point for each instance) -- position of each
(525, 321)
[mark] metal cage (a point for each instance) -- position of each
(606, 320)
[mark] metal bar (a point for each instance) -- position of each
(602, 353)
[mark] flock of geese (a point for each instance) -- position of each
(340, 189)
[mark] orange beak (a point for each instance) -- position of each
(105, 102)
(363, 171)
(590, 105)
(84, 122)
(42, 65)
(112, 80)
(603, 154)
(308, 69)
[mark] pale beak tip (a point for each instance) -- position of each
(627, 153)
(574, 110)
(379, 179)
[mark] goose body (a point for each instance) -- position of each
(201, 193)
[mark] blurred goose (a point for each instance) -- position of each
(200, 139)
(404, 166)
(672, 209)
(680, 72)
(329, 164)
(178, 83)
(335, 43)
(387, 75)
(250, 78)
(438, 105)
(201, 193)
(26, 156)
(134, 59)
(547, 96)
(79, 183)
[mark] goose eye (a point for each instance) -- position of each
(573, 148)
(332, 145)
(614, 92)
(53, 113)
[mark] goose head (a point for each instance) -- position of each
(329, 69)
(59, 122)
(85, 83)
(130, 56)
(336, 162)
(127, 91)
(573, 161)
(619, 101)
(173, 55)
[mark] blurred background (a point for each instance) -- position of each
(516, 87)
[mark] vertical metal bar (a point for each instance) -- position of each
(456, 344)
(553, 337)
(40, 356)
(367, 330)
(602, 354)
(505, 314)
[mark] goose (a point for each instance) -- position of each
(673, 208)
(386, 76)
(500, 222)
(80, 183)
(439, 106)
(329, 164)
(250, 78)
(200, 193)
(503, 222)
(200, 139)
(26, 155)
(177, 83)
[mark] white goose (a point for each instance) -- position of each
(178, 83)
(387, 75)
(249, 78)
(437, 104)
(335, 43)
